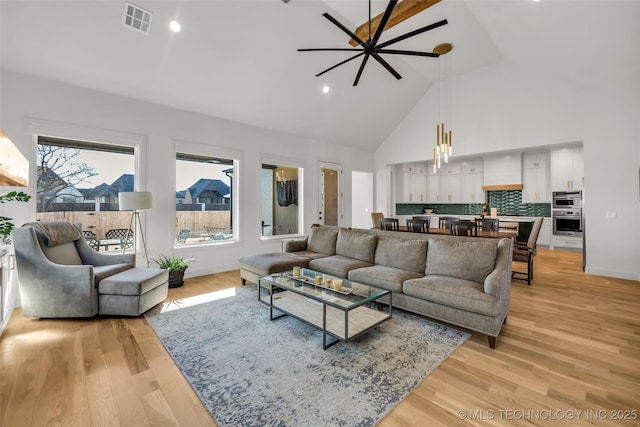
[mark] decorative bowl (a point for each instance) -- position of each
(428, 211)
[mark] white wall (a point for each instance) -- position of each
(362, 199)
(25, 97)
(505, 108)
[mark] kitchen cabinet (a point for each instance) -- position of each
(567, 169)
(7, 282)
(472, 180)
(412, 185)
(451, 182)
(544, 238)
(567, 242)
(433, 182)
(535, 177)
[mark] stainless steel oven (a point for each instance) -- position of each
(567, 222)
(567, 199)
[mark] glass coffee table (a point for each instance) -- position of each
(344, 314)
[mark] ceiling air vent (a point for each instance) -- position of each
(137, 18)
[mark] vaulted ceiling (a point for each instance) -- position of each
(238, 59)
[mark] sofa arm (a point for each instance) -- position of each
(498, 282)
(295, 245)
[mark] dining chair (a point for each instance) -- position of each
(525, 251)
(375, 218)
(464, 228)
(417, 225)
(389, 224)
(92, 239)
(489, 224)
(445, 221)
(124, 234)
(182, 235)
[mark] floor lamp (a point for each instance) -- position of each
(135, 201)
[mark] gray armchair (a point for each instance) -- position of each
(58, 272)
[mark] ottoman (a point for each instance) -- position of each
(253, 267)
(133, 291)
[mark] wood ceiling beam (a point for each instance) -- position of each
(403, 10)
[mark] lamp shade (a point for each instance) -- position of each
(135, 200)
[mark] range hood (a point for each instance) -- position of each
(14, 167)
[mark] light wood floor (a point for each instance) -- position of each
(571, 343)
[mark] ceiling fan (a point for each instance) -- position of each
(372, 48)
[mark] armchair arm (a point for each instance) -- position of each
(90, 256)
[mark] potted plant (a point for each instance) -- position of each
(176, 265)
(6, 226)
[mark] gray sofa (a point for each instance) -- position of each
(464, 281)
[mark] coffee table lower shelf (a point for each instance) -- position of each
(324, 312)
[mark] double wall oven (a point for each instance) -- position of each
(567, 213)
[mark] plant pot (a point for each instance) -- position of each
(176, 278)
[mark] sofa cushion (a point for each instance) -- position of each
(382, 276)
(356, 245)
(337, 265)
(458, 293)
(461, 259)
(309, 254)
(405, 254)
(275, 262)
(322, 240)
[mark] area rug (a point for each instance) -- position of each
(251, 371)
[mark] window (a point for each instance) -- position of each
(79, 181)
(204, 199)
(281, 189)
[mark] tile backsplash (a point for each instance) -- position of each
(507, 202)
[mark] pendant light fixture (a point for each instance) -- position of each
(444, 136)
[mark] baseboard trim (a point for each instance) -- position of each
(613, 273)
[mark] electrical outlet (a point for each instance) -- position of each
(610, 215)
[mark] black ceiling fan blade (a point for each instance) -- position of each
(345, 29)
(413, 33)
(364, 62)
(408, 52)
(340, 63)
(383, 21)
(334, 49)
(386, 65)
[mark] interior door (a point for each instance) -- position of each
(330, 203)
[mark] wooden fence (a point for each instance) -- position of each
(100, 222)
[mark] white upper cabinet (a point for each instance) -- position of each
(535, 177)
(567, 169)
(451, 182)
(411, 185)
(472, 180)
(472, 166)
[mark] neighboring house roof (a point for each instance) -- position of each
(124, 183)
(204, 185)
(56, 185)
(180, 194)
(95, 191)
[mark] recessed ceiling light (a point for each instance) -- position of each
(175, 26)
(326, 89)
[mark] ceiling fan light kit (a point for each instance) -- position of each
(371, 47)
